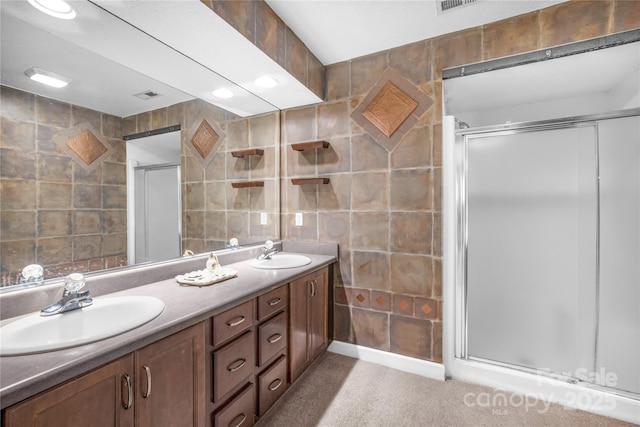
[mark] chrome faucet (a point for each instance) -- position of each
(71, 298)
(267, 251)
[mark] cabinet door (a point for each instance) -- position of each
(298, 308)
(318, 313)
(96, 399)
(170, 380)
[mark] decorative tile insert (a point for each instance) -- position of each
(84, 144)
(204, 139)
(389, 109)
(87, 146)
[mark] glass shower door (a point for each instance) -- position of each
(531, 262)
(618, 359)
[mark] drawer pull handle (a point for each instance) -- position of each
(238, 424)
(147, 372)
(126, 381)
(236, 321)
(237, 364)
(274, 338)
(274, 301)
(275, 384)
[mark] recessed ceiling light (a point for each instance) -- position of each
(265, 81)
(223, 92)
(46, 77)
(57, 8)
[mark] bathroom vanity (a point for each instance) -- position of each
(217, 355)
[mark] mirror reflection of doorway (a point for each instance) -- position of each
(154, 197)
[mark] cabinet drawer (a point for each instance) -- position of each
(271, 384)
(272, 302)
(272, 338)
(239, 413)
(231, 322)
(232, 364)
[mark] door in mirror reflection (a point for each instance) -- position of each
(154, 198)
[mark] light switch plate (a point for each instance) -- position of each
(263, 218)
(298, 219)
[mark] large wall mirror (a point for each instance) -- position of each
(64, 167)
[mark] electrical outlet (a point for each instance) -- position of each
(298, 219)
(263, 218)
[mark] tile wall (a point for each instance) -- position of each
(55, 210)
(213, 211)
(255, 20)
(383, 204)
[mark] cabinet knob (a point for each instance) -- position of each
(242, 417)
(146, 393)
(274, 301)
(275, 384)
(274, 338)
(126, 382)
(313, 283)
(236, 321)
(237, 364)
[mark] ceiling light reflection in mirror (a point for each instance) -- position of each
(105, 38)
(56, 8)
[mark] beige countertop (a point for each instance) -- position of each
(24, 376)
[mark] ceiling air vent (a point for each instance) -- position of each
(147, 94)
(447, 5)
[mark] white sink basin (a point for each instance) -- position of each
(281, 260)
(106, 318)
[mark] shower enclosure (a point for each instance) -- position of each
(541, 264)
(550, 248)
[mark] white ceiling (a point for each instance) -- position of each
(108, 66)
(338, 30)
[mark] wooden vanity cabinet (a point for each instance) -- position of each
(98, 399)
(170, 386)
(308, 320)
(161, 384)
(248, 363)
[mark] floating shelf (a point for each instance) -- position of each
(310, 145)
(247, 184)
(309, 181)
(248, 152)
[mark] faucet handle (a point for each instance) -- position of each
(268, 244)
(73, 283)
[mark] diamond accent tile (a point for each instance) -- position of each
(87, 146)
(403, 304)
(204, 139)
(426, 308)
(389, 109)
(360, 297)
(380, 300)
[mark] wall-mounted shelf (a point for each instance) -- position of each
(309, 181)
(310, 145)
(248, 152)
(247, 184)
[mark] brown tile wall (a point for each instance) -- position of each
(259, 24)
(213, 211)
(53, 211)
(384, 207)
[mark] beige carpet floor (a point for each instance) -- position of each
(343, 392)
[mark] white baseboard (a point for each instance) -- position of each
(392, 360)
